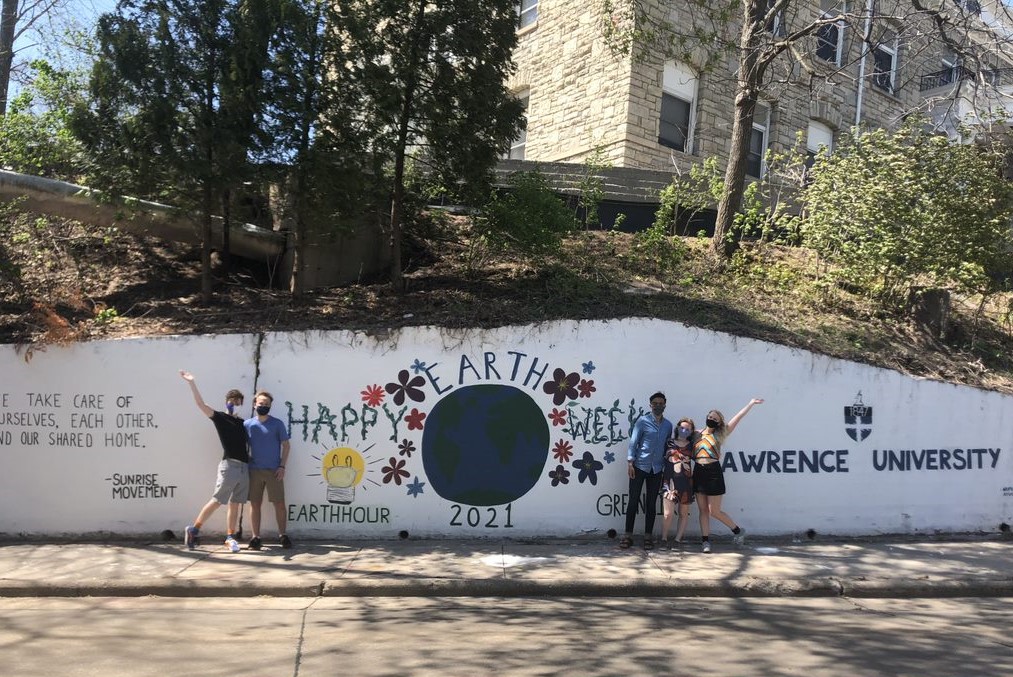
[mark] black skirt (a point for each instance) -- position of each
(709, 479)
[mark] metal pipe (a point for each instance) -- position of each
(866, 38)
(141, 217)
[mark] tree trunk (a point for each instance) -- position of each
(407, 110)
(8, 19)
(226, 232)
(747, 88)
(297, 284)
(207, 205)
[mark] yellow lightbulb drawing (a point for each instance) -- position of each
(342, 469)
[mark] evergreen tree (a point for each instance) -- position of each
(431, 81)
(175, 102)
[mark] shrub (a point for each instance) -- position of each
(528, 218)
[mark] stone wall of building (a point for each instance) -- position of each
(583, 97)
(577, 89)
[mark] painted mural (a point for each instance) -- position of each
(477, 432)
(508, 432)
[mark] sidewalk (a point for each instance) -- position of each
(592, 567)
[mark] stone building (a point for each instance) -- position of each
(650, 112)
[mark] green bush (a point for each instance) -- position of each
(528, 218)
(892, 210)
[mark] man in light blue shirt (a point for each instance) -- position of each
(645, 463)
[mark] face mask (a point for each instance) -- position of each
(229, 407)
(263, 409)
(683, 433)
(657, 409)
(713, 424)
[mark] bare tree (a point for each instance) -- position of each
(773, 43)
(17, 19)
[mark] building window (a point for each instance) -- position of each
(678, 92)
(969, 6)
(775, 24)
(516, 151)
(830, 40)
(527, 13)
(884, 67)
(758, 142)
(819, 136)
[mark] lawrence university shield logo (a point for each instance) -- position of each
(858, 419)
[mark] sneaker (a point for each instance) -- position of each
(706, 546)
(254, 543)
(285, 541)
(232, 544)
(191, 537)
(739, 538)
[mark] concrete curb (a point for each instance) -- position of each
(965, 587)
(160, 588)
(500, 587)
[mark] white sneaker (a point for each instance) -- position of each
(232, 544)
(706, 546)
(739, 538)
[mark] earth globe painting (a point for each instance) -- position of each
(485, 445)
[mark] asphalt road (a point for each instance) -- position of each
(282, 637)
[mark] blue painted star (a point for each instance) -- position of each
(588, 366)
(418, 366)
(415, 488)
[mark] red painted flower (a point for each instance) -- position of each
(415, 419)
(394, 471)
(563, 386)
(558, 416)
(586, 387)
(373, 395)
(562, 451)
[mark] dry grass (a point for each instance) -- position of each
(62, 281)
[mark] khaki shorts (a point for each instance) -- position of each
(261, 479)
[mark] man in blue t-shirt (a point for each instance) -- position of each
(269, 447)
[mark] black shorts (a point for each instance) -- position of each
(709, 479)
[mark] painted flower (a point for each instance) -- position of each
(562, 451)
(394, 471)
(418, 366)
(558, 416)
(415, 419)
(587, 367)
(415, 488)
(586, 387)
(373, 395)
(610, 457)
(404, 386)
(588, 468)
(559, 476)
(563, 386)
(406, 448)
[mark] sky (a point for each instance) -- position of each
(40, 40)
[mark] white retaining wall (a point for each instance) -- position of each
(105, 437)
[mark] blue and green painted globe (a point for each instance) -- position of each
(485, 445)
